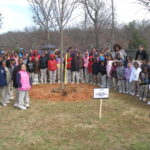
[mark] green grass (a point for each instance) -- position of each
(125, 125)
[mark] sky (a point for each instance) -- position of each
(17, 14)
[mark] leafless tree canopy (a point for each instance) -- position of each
(42, 13)
(99, 14)
(63, 10)
(0, 20)
(145, 3)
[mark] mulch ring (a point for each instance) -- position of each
(71, 93)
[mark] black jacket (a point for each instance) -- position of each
(95, 68)
(43, 62)
(30, 66)
(75, 64)
(141, 54)
(15, 71)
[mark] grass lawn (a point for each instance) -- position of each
(49, 125)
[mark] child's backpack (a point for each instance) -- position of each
(3, 81)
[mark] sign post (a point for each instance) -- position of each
(101, 94)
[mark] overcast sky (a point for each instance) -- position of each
(17, 14)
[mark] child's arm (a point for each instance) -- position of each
(18, 77)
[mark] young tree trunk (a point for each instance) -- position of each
(62, 55)
(96, 35)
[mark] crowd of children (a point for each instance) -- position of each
(104, 68)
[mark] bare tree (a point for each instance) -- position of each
(145, 3)
(0, 20)
(113, 22)
(43, 14)
(98, 14)
(63, 10)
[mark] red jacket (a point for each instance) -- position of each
(69, 62)
(34, 55)
(90, 64)
(52, 65)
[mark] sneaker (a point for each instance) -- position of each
(15, 105)
(137, 95)
(4, 105)
(148, 103)
(144, 99)
(22, 107)
(11, 98)
(27, 106)
(140, 98)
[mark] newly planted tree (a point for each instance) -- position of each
(63, 10)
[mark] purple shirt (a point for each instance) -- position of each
(127, 73)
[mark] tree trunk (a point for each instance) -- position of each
(96, 35)
(62, 55)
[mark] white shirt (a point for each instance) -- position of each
(135, 74)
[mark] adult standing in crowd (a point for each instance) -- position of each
(141, 53)
(119, 53)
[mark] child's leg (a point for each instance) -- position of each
(51, 77)
(103, 81)
(11, 91)
(138, 88)
(3, 95)
(58, 74)
(133, 87)
(45, 75)
(77, 76)
(145, 92)
(42, 75)
(123, 86)
(27, 99)
(21, 98)
(86, 75)
(69, 76)
(120, 86)
(73, 76)
(49, 72)
(54, 76)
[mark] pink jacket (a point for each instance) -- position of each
(24, 81)
(86, 62)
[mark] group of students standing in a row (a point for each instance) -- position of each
(104, 68)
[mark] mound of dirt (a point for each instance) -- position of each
(72, 92)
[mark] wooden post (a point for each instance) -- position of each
(100, 110)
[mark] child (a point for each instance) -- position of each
(95, 71)
(86, 63)
(8, 78)
(134, 78)
(43, 68)
(75, 69)
(108, 69)
(127, 76)
(69, 73)
(3, 84)
(102, 70)
(120, 77)
(113, 73)
(90, 69)
(52, 67)
(30, 67)
(24, 85)
(36, 70)
(81, 65)
(143, 81)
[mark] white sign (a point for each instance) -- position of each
(101, 93)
